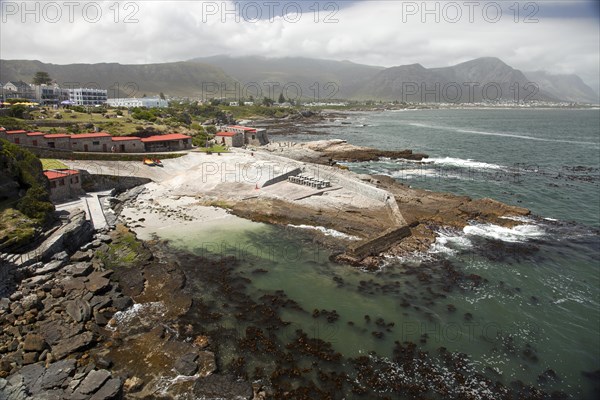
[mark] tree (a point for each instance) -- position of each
(41, 78)
(267, 102)
(281, 98)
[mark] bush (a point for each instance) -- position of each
(11, 124)
(17, 111)
(26, 169)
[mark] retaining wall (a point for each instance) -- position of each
(282, 177)
(99, 182)
(380, 243)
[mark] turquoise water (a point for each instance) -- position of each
(521, 304)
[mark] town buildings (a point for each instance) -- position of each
(98, 141)
(87, 96)
(53, 94)
(147, 102)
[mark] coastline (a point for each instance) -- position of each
(157, 284)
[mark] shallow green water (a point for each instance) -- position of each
(537, 305)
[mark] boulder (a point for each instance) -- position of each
(93, 381)
(222, 387)
(79, 309)
(82, 256)
(57, 373)
(186, 364)
(133, 384)
(110, 390)
(79, 269)
(34, 342)
(70, 345)
(206, 363)
(52, 266)
(97, 283)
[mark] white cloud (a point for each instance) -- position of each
(373, 32)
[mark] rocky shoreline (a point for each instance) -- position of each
(106, 316)
(101, 321)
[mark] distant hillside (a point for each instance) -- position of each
(234, 77)
(176, 79)
(567, 87)
(312, 75)
(485, 78)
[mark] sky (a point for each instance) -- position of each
(555, 36)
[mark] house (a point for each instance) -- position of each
(169, 142)
(64, 184)
(17, 90)
(252, 136)
(16, 137)
(35, 139)
(127, 144)
(234, 104)
(231, 139)
(147, 102)
(96, 142)
(60, 141)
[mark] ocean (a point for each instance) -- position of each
(486, 313)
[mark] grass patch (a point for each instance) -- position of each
(50, 163)
(16, 229)
(218, 203)
(124, 251)
(217, 148)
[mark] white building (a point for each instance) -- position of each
(87, 96)
(147, 102)
(49, 94)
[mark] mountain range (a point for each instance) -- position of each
(487, 78)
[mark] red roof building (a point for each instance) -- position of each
(169, 142)
(166, 138)
(231, 139)
(124, 138)
(17, 137)
(90, 135)
(58, 174)
(227, 134)
(64, 184)
(127, 144)
(242, 128)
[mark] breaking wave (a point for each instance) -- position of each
(326, 231)
(517, 234)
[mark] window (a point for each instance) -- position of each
(17, 141)
(52, 184)
(75, 179)
(96, 143)
(61, 182)
(51, 145)
(253, 137)
(35, 142)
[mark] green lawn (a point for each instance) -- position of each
(50, 163)
(217, 148)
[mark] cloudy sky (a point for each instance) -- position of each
(557, 36)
